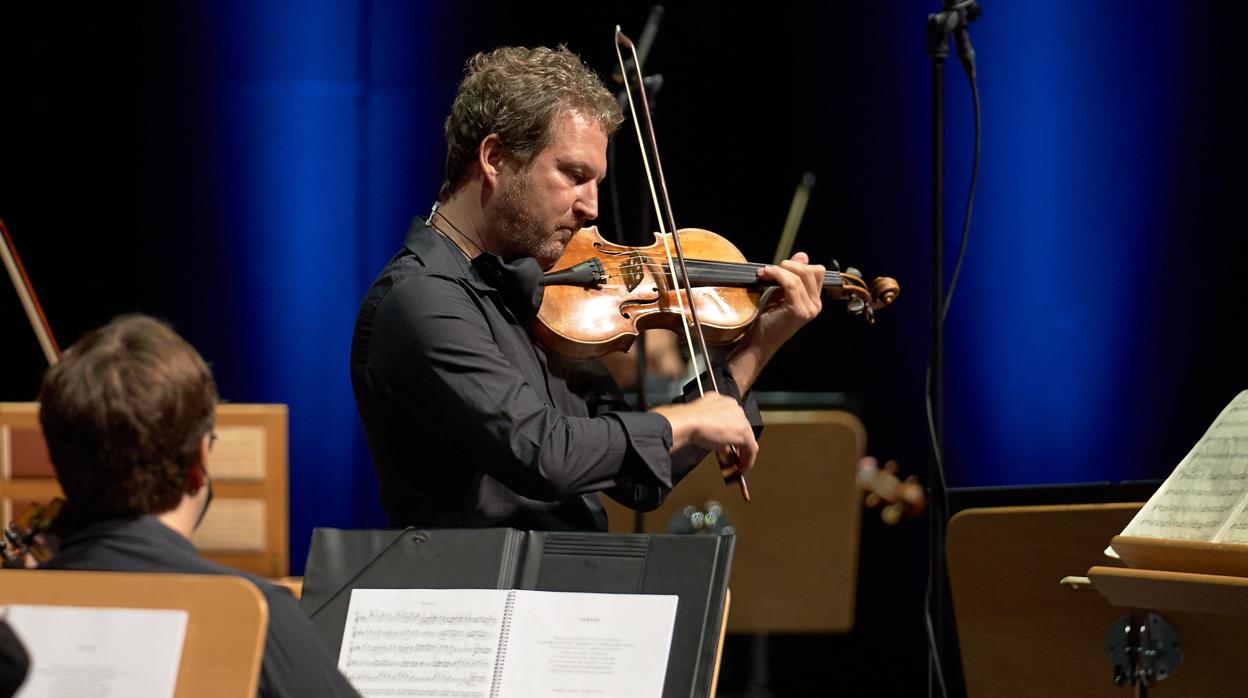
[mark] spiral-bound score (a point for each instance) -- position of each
(484, 643)
(503, 636)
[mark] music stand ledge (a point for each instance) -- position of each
(1161, 590)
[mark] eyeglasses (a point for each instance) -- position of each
(212, 439)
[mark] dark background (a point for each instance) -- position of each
(243, 170)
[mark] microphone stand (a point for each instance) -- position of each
(954, 19)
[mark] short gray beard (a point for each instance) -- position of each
(518, 234)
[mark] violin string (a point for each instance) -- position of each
(713, 264)
(734, 271)
(719, 280)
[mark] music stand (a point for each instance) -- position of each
(1022, 633)
(795, 566)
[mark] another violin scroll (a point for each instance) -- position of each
(899, 497)
(28, 539)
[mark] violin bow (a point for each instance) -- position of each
(797, 211)
(667, 221)
(30, 302)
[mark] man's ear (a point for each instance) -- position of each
(490, 158)
(197, 475)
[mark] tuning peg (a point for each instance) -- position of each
(891, 514)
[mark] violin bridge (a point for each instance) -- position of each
(634, 270)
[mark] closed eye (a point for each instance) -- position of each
(580, 174)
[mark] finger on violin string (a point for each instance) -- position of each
(804, 270)
(801, 285)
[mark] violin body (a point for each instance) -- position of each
(638, 293)
(600, 295)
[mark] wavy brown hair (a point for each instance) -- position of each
(520, 94)
(124, 412)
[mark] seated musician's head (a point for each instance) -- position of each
(526, 149)
(128, 414)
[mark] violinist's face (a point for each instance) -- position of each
(539, 207)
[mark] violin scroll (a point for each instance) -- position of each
(28, 539)
(862, 299)
(900, 497)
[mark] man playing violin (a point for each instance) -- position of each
(470, 422)
(128, 415)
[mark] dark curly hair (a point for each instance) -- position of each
(520, 93)
(124, 412)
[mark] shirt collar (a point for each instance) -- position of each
(145, 526)
(518, 282)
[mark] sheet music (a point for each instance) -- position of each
(588, 645)
(482, 643)
(1236, 528)
(99, 652)
(1204, 498)
(422, 642)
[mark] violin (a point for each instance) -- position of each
(599, 295)
(899, 497)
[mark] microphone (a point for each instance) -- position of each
(956, 17)
(643, 45)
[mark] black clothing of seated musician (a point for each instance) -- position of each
(469, 421)
(128, 414)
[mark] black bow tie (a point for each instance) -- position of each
(518, 281)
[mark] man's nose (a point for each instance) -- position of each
(586, 206)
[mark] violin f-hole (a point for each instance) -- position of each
(624, 305)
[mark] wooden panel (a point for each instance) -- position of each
(40, 490)
(29, 454)
(224, 634)
(274, 561)
(796, 560)
(1023, 634)
(19, 421)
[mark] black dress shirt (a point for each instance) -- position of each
(295, 663)
(471, 423)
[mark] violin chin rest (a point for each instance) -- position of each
(587, 274)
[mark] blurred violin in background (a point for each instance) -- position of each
(899, 497)
(28, 538)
